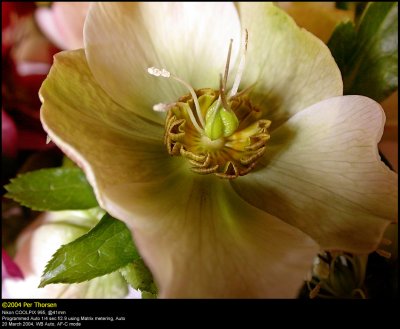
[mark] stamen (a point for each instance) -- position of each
(166, 74)
(223, 150)
(228, 60)
(158, 73)
(48, 139)
(245, 38)
(222, 93)
(162, 107)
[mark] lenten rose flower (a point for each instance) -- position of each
(231, 177)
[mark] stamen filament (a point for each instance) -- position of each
(228, 60)
(242, 63)
(164, 73)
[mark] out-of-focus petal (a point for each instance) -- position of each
(9, 135)
(9, 269)
(63, 23)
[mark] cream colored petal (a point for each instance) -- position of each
(111, 144)
(292, 68)
(323, 175)
(190, 40)
(201, 240)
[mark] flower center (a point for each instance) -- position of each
(218, 133)
(227, 157)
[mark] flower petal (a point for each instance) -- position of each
(191, 40)
(9, 269)
(110, 143)
(201, 240)
(293, 69)
(323, 175)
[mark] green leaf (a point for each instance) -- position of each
(104, 249)
(367, 53)
(139, 277)
(52, 189)
(341, 43)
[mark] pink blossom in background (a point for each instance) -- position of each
(62, 23)
(26, 59)
(9, 271)
(9, 136)
(9, 268)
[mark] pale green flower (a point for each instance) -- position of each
(314, 177)
(37, 244)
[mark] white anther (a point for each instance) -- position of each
(158, 73)
(166, 74)
(162, 107)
